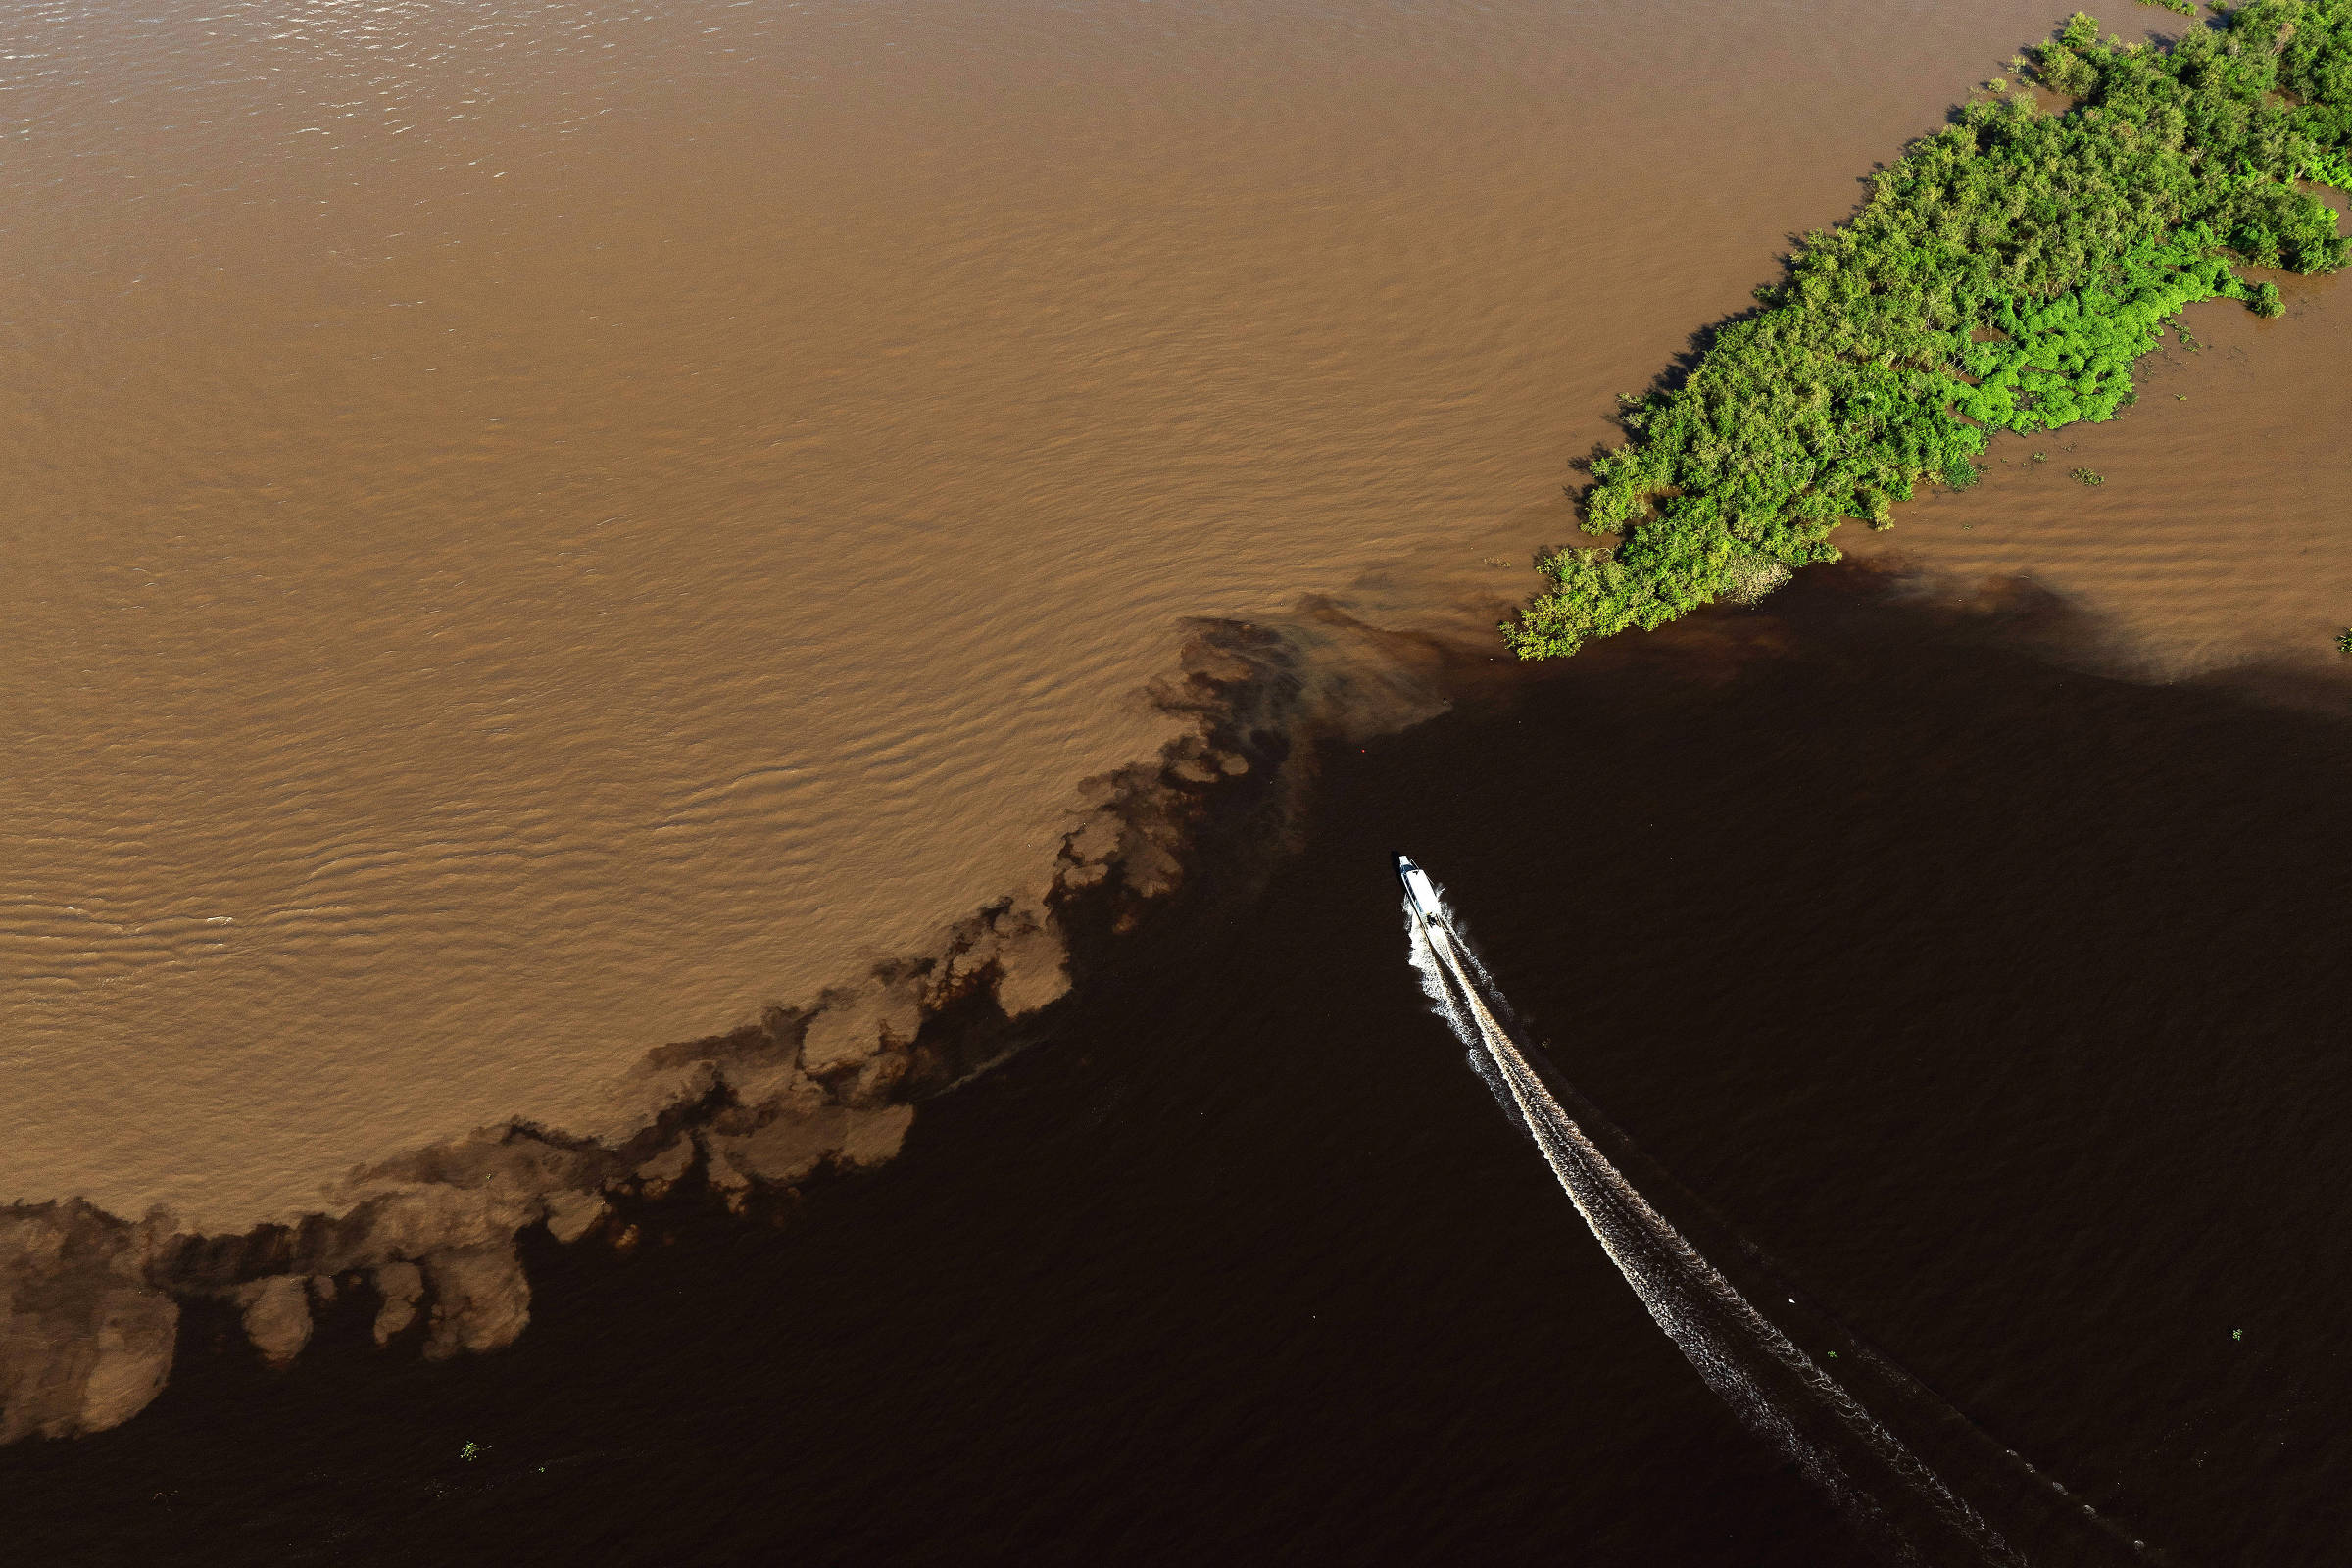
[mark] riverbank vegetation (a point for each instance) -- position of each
(2003, 276)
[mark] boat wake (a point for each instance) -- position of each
(1904, 1507)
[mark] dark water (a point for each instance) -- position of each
(2002, 1002)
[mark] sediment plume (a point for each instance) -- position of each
(90, 1302)
(85, 1337)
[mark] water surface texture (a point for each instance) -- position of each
(534, 528)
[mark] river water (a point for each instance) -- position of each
(534, 529)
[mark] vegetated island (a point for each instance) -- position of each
(2002, 275)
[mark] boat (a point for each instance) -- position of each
(1419, 889)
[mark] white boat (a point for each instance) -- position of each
(1417, 888)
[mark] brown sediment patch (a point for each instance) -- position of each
(86, 1336)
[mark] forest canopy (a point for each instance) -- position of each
(2002, 275)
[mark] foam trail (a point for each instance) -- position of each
(1772, 1383)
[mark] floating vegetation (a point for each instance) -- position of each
(2343, 641)
(2003, 276)
(2086, 476)
(1752, 577)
